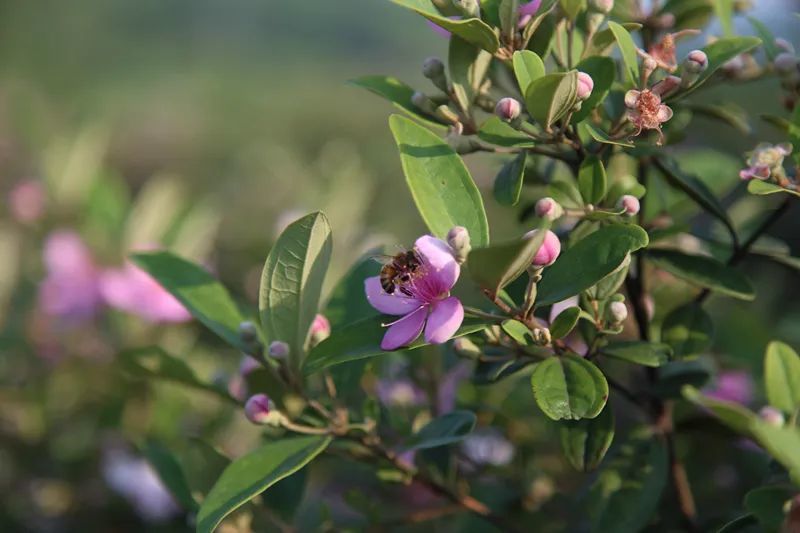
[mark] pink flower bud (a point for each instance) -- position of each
(696, 61)
(26, 201)
(549, 250)
(508, 109)
(585, 86)
(771, 416)
(783, 45)
(432, 68)
(248, 365)
(320, 329)
(466, 348)
(630, 204)
(258, 408)
(278, 349)
(666, 86)
(617, 312)
(786, 63)
(548, 208)
(459, 241)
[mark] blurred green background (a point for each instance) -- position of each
(228, 119)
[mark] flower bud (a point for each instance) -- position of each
(696, 62)
(541, 336)
(257, 409)
(320, 329)
(585, 86)
(248, 332)
(548, 252)
(433, 69)
(508, 109)
(771, 416)
(785, 63)
(667, 86)
(783, 45)
(247, 365)
(630, 204)
(548, 208)
(458, 239)
(423, 103)
(278, 349)
(617, 312)
(469, 8)
(603, 6)
(466, 348)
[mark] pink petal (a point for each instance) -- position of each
(445, 319)
(529, 8)
(664, 113)
(390, 304)
(631, 97)
(438, 255)
(405, 330)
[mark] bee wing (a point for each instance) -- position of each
(383, 259)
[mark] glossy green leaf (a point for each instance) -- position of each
(508, 183)
(572, 8)
(550, 97)
(734, 415)
(727, 113)
(569, 387)
(720, 52)
(592, 181)
(762, 188)
(440, 184)
(254, 473)
(688, 330)
(588, 261)
(447, 429)
(170, 472)
(724, 12)
(495, 131)
(766, 36)
(472, 30)
(604, 39)
(517, 331)
(467, 65)
(767, 505)
(362, 339)
(508, 13)
(563, 191)
(398, 93)
(601, 136)
(291, 283)
(627, 491)
(496, 266)
(705, 272)
(628, 50)
(782, 377)
(539, 41)
(565, 322)
(585, 442)
(602, 70)
(652, 354)
(200, 292)
(527, 67)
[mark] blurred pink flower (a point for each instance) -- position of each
(439, 30)
(133, 290)
(732, 386)
(401, 392)
(526, 12)
(26, 201)
(70, 288)
(135, 480)
(448, 386)
(424, 301)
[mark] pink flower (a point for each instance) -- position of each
(646, 112)
(400, 392)
(258, 408)
(26, 201)
(69, 290)
(585, 86)
(424, 300)
(526, 12)
(766, 161)
(664, 50)
(135, 480)
(733, 386)
(320, 329)
(549, 250)
(630, 204)
(133, 290)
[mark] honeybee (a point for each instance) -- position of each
(398, 270)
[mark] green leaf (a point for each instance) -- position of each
(517, 331)
(170, 473)
(155, 363)
(563, 191)
(628, 50)
(761, 188)
(565, 322)
(766, 36)
(767, 504)
(202, 295)
(601, 136)
(728, 113)
(719, 52)
(496, 266)
(441, 186)
(705, 272)
(589, 261)
(602, 70)
(585, 442)
(627, 491)
(550, 97)
(508, 13)
(688, 330)
(604, 39)
(527, 67)
(254, 473)
(675, 375)
(467, 65)
(447, 429)
(572, 8)
(396, 92)
(291, 283)
(739, 524)
(569, 387)
(472, 30)
(508, 183)
(652, 354)
(497, 132)
(362, 339)
(592, 180)
(782, 377)
(724, 12)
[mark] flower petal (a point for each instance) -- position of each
(390, 304)
(438, 255)
(631, 97)
(405, 330)
(445, 319)
(664, 113)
